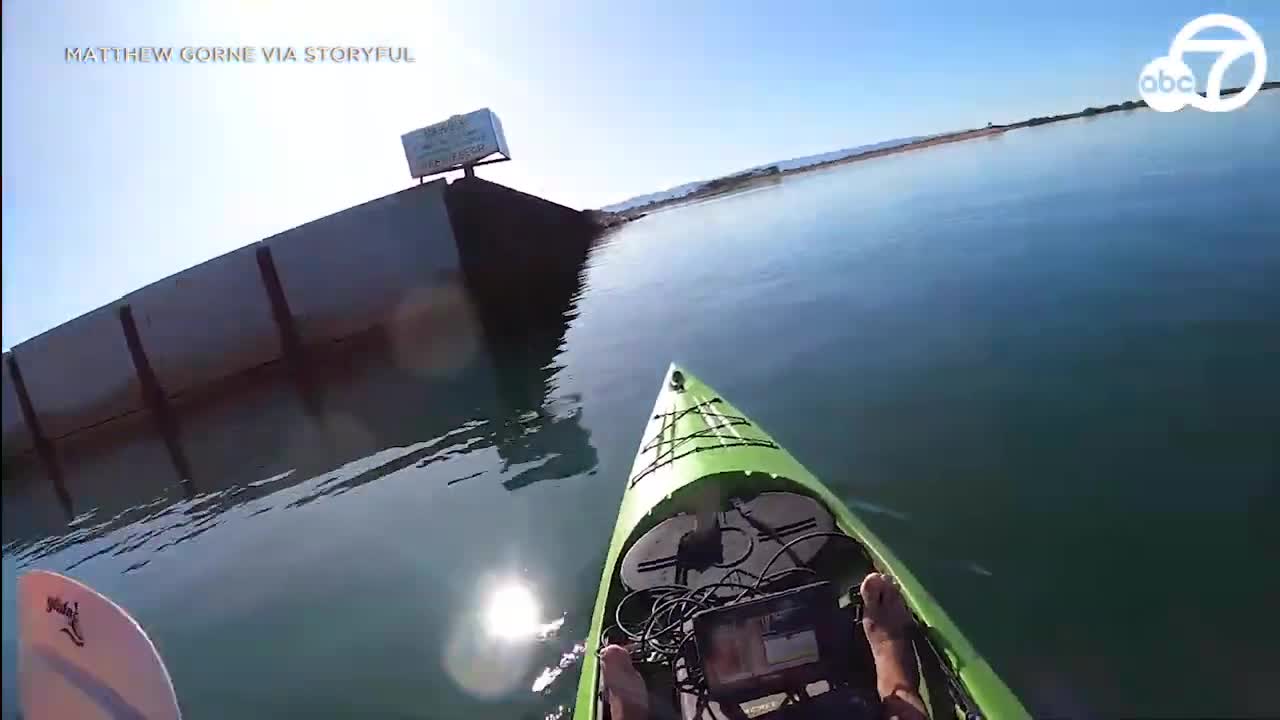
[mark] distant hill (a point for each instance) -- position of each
(678, 191)
(639, 205)
(687, 189)
(807, 160)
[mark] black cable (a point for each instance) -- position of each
(751, 546)
(650, 635)
(775, 577)
(663, 634)
(765, 572)
(710, 589)
(617, 611)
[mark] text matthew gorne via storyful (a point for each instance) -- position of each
(241, 54)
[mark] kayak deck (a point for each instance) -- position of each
(701, 460)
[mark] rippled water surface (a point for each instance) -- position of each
(1042, 365)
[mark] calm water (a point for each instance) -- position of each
(1045, 364)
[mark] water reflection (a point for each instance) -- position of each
(370, 410)
(549, 674)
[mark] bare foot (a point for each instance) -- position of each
(886, 621)
(624, 688)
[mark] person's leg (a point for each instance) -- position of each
(886, 620)
(624, 688)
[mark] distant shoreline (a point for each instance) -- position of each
(744, 180)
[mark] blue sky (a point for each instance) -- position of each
(117, 175)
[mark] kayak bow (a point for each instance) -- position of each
(700, 454)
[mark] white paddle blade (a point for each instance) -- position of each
(82, 656)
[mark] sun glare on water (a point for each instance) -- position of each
(513, 612)
(492, 649)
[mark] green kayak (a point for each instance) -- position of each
(717, 518)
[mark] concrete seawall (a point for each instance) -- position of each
(520, 264)
(433, 266)
(207, 322)
(79, 374)
(356, 269)
(16, 437)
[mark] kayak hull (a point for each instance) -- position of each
(697, 444)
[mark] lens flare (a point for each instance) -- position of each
(513, 612)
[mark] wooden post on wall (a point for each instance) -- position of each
(156, 400)
(290, 341)
(44, 448)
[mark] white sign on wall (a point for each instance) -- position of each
(458, 141)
